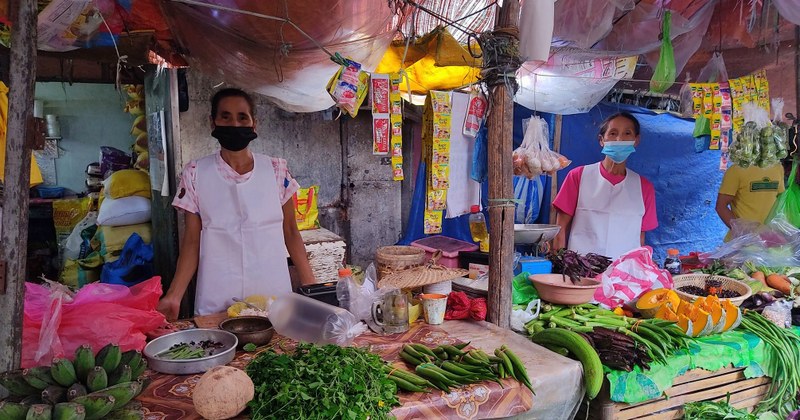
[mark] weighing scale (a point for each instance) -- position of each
(531, 241)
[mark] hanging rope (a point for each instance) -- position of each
(500, 50)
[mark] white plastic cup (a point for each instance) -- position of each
(441, 288)
(433, 307)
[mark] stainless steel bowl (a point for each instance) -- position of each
(534, 233)
(189, 366)
(249, 329)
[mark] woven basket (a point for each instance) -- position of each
(390, 259)
(699, 280)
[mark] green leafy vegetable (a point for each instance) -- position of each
(249, 347)
(321, 382)
(710, 410)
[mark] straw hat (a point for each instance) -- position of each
(423, 275)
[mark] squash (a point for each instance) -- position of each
(711, 305)
(666, 313)
(733, 315)
(222, 393)
(686, 324)
(649, 303)
(702, 322)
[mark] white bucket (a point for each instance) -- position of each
(442, 288)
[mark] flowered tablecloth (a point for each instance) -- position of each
(170, 396)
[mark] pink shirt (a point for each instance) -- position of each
(567, 198)
(186, 198)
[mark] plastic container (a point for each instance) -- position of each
(673, 262)
(450, 248)
(323, 292)
(476, 262)
(477, 228)
(302, 318)
(534, 265)
(343, 287)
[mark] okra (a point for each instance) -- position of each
(405, 385)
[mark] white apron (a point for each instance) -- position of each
(608, 218)
(242, 250)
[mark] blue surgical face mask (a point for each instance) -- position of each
(619, 151)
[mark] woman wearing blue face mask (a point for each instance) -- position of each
(605, 207)
(240, 217)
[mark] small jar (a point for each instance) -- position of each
(673, 262)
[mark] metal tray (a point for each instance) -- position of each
(186, 367)
(534, 233)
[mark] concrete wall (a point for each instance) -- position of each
(90, 116)
(357, 199)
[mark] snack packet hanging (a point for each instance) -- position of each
(348, 87)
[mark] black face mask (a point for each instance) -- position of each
(234, 138)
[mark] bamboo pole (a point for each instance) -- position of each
(501, 214)
(13, 244)
(554, 178)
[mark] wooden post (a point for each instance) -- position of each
(554, 178)
(13, 243)
(500, 124)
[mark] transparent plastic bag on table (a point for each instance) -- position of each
(362, 296)
(779, 313)
(775, 244)
(630, 276)
(519, 317)
(56, 322)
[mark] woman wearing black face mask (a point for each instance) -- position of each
(240, 219)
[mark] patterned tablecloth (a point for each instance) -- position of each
(170, 396)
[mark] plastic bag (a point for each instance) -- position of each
(534, 157)
(302, 318)
(360, 297)
(78, 245)
(520, 317)
(664, 74)
(461, 306)
(522, 290)
(777, 109)
(774, 244)
(630, 276)
(714, 70)
(787, 206)
(480, 159)
(113, 159)
(780, 313)
(56, 321)
(529, 194)
(133, 266)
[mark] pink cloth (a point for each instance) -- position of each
(567, 198)
(186, 198)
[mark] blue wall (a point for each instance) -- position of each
(686, 182)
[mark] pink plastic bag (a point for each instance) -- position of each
(630, 276)
(56, 322)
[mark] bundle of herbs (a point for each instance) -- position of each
(321, 382)
(715, 410)
(573, 265)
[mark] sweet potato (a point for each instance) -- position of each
(779, 282)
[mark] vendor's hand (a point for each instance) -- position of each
(169, 306)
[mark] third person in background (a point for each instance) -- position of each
(748, 194)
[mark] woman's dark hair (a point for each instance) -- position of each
(628, 115)
(228, 93)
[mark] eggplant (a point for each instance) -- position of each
(778, 294)
(767, 297)
(795, 316)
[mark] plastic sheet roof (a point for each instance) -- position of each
(276, 47)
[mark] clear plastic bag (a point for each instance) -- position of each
(534, 157)
(361, 297)
(714, 70)
(780, 313)
(775, 244)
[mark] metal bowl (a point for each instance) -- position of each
(189, 366)
(249, 329)
(534, 233)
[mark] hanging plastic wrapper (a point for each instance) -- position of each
(534, 157)
(664, 75)
(348, 87)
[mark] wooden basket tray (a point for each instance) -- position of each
(699, 280)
